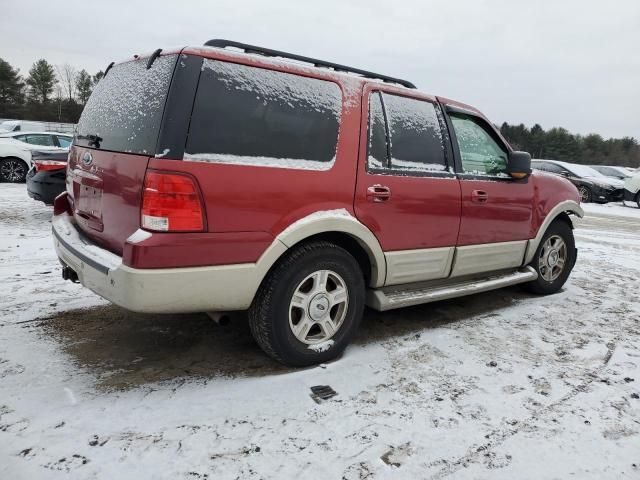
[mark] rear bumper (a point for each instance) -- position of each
(162, 290)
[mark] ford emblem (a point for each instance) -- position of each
(87, 159)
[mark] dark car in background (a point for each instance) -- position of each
(591, 184)
(46, 179)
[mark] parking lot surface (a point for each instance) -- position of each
(498, 385)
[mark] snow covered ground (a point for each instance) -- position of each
(499, 385)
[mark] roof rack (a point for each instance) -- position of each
(220, 43)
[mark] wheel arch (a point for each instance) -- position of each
(560, 212)
(341, 228)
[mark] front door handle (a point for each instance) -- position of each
(479, 196)
(378, 193)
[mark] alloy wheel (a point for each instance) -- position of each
(12, 170)
(553, 258)
(318, 307)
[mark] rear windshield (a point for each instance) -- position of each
(124, 111)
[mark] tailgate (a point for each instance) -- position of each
(117, 134)
(106, 194)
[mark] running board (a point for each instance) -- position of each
(397, 297)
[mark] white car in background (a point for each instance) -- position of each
(632, 189)
(16, 148)
(621, 173)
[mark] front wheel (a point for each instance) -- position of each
(638, 199)
(309, 307)
(13, 170)
(554, 259)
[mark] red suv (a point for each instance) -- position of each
(231, 177)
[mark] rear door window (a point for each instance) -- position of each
(248, 115)
(64, 142)
(405, 136)
(125, 109)
(38, 139)
(416, 138)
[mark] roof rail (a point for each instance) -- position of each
(220, 43)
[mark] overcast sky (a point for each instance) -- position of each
(572, 63)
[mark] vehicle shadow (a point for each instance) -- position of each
(127, 350)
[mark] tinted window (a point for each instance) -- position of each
(44, 140)
(377, 153)
(416, 138)
(64, 142)
(125, 109)
(481, 154)
(256, 116)
(553, 168)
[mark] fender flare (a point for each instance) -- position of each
(340, 220)
(567, 206)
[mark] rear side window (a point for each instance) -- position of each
(35, 139)
(416, 138)
(254, 116)
(125, 109)
(404, 135)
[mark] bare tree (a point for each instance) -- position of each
(67, 76)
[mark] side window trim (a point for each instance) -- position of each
(386, 130)
(449, 156)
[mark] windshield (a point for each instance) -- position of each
(124, 111)
(582, 170)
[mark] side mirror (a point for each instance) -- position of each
(519, 164)
(564, 173)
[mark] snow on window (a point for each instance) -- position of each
(125, 109)
(416, 138)
(480, 153)
(251, 115)
(377, 153)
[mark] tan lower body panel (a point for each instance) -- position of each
(410, 266)
(470, 259)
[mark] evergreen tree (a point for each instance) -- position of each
(41, 80)
(84, 86)
(97, 77)
(11, 90)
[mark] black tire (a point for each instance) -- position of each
(270, 310)
(638, 199)
(13, 170)
(585, 194)
(541, 286)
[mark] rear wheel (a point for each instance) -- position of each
(554, 259)
(13, 170)
(309, 307)
(585, 194)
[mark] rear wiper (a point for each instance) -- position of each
(93, 139)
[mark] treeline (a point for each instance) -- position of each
(50, 93)
(559, 144)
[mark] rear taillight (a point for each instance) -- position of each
(171, 203)
(44, 165)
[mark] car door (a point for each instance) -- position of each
(496, 213)
(406, 191)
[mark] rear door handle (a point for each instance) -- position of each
(378, 193)
(479, 196)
